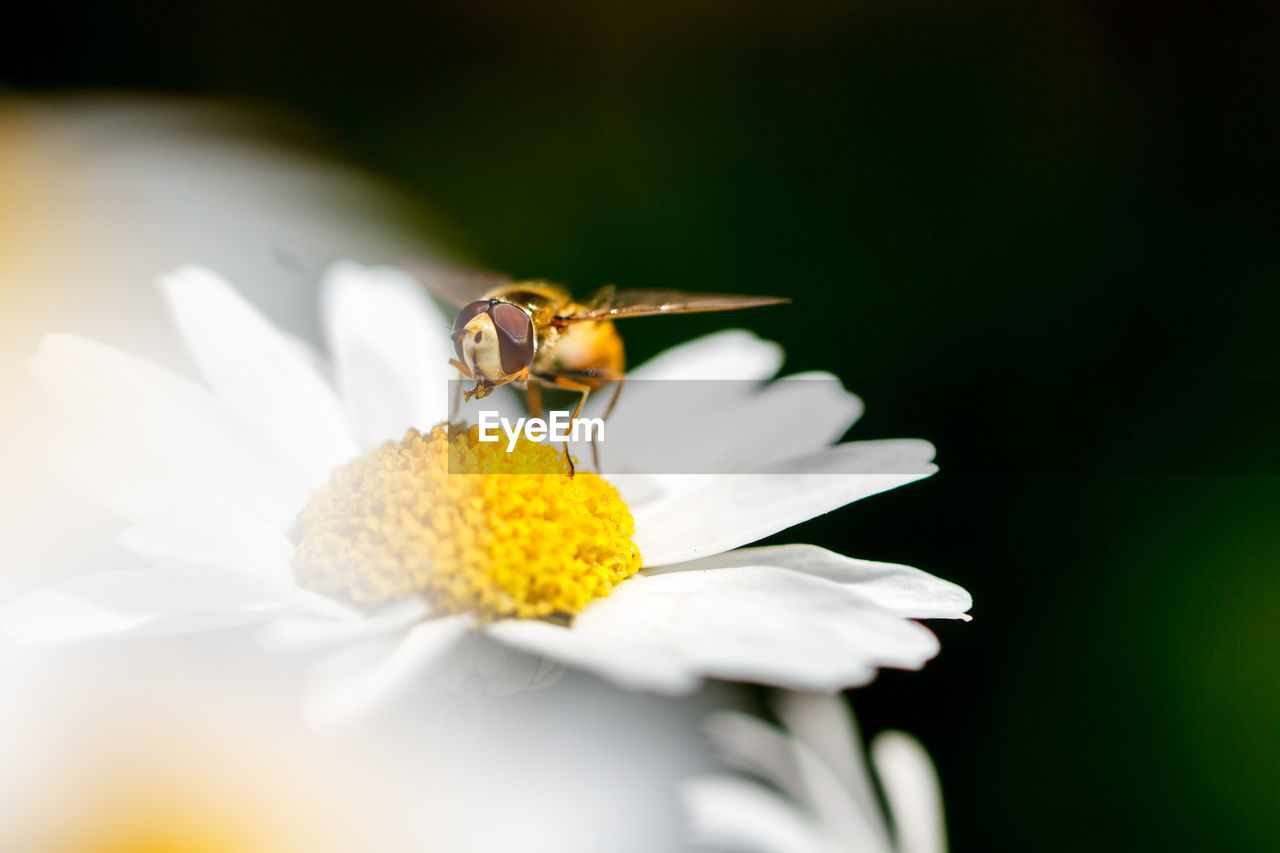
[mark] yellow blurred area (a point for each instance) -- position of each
(38, 205)
(191, 816)
(209, 792)
(143, 753)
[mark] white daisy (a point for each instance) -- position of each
(234, 503)
(819, 796)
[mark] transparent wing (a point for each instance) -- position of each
(609, 303)
(455, 285)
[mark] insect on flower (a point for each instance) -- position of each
(533, 333)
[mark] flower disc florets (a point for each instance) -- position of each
(468, 526)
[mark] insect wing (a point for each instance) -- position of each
(611, 304)
(458, 287)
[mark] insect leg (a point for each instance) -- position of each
(608, 410)
(568, 384)
(617, 392)
(605, 375)
(457, 403)
(533, 399)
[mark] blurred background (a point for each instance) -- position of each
(1041, 235)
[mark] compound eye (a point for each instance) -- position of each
(465, 316)
(515, 336)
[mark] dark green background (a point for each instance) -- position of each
(1002, 193)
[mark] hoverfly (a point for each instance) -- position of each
(533, 333)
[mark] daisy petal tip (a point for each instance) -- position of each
(728, 354)
(345, 283)
(340, 277)
(925, 463)
(961, 602)
(193, 290)
(189, 277)
(51, 342)
(338, 281)
(769, 352)
(51, 618)
(344, 269)
(853, 407)
(53, 350)
(40, 363)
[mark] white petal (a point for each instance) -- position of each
(148, 425)
(134, 602)
(644, 490)
(735, 814)
(176, 515)
(268, 380)
(363, 679)
(496, 669)
(309, 632)
(710, 428)
(731, 354)
(790, 417)
(193, 535)
(391, 350)
(649, 403)
(53, 617)
(844, 804)
(654, 392)
(269, 571)
(749, 744)
(858, 824)
(720, 512)
(912, 791)
(900, 589)
(596, 652)
(758, 624)
(826, 728)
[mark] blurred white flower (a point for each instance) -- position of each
(214, 481)
(808, 789)
(134, 753)
(198, 746)
(99, 195)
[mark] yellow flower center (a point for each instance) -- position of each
(468, 526)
